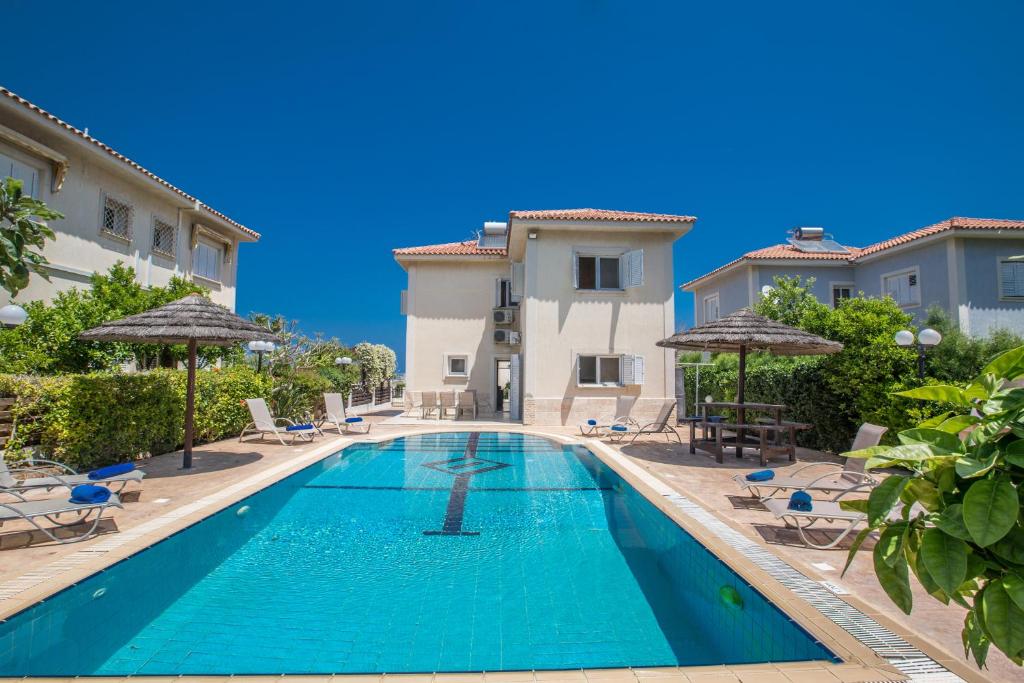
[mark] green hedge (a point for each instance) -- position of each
(102, 418)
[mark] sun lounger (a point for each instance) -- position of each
(50, 509)
(35, 473)
(833, 477)
(263, 423)
(659, 426)
(821, 510)
(334, 405)
(623, 406)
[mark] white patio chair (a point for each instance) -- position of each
(334, 405)
(50, 509)
(821, 510)
(37, 473)
(659, 426)
(448, 404)
(263, 423)
(466, 403)
(429, 404)
(623, 408)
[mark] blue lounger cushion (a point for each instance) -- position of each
(89, 493)
(800, 501)
(761, 475)
(110, 471)
(592, 422)
(298, 428)
(619, 428)
(353, 420)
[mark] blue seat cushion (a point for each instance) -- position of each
(619, 428)
(761, 475)
(800, 501)
(111, 471)
(353, 420)
(90, 493)
(298, 428)
(592, 422)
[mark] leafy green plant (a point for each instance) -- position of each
(22, 227)
(377, 362)
(956, 521)
(299, 394)
(789, 300)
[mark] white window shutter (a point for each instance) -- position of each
(638, 369)
(633, 268)
(497, 292)
(518, 281)
(575, 270)
(627, 370)
(513, 392)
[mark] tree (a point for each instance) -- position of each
(789, 301)
(377, 361)
(955, 521)
(22, 227)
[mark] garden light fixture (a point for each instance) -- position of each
(259, 348)
(926, 339)
(12, 315)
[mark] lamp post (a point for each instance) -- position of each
(259, 348)
(12, 315)
(926, 339)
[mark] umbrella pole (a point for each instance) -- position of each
(741, 412)
(190, 405)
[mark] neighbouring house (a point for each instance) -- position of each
(548, 317)
(971, 267)
(115, 210)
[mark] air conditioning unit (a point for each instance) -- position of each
(504, 317)
(506, 337)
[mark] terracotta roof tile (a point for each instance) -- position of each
(788, 252)
(598, 215)
(467, 248)
(117, 155)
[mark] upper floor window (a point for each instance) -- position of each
(163, 237)
(903, 287)
(29, 176)
(711, 308)
(595, 271)
(117, 218)
(841, 292)
(206, 260)
(1011, 279)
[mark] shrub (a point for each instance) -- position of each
(299, 394)
(102, 418)
(959, 527)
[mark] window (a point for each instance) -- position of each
(117, 218)
(163, 237)
(711, 308)
(456, 365)
(1011, 279)
(598, 272)
(503, 293)
(206, 260)
(602, 370)
(903, 287)
(840, 292)
(28, 176)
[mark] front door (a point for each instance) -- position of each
(502, 385)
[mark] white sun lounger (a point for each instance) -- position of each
(20, 477)
(334, 407)
(263, 423)
(843, 479)
(51, 509)
(623, 406)
(659, 426)
(821, 510)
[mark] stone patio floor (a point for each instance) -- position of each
(249, 466)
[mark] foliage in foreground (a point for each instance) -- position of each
(101, 418)
(23, 233)
(956, 521)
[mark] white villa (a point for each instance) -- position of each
(115, 210)
(549, 317)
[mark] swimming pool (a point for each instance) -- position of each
(438, 552)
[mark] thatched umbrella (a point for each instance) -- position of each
(193, 320)
(744, 331)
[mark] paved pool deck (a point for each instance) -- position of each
(226, 471)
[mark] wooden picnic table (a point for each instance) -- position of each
(772, 437)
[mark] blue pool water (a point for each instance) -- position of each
(441, 552)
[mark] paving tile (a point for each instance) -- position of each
(810, 676)
(569, 675)
(509, 677)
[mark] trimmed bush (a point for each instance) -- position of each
(101, 418)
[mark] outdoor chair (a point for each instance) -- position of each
(466, 404)
(263, 423)
(623, 408)
(411, 401)
(844, 478)
(448, 404)
(429, 404)
(821, 510)
(50, 509)
(334, 412)
(20, 476)
(659, 426)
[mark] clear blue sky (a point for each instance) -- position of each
(342, 131)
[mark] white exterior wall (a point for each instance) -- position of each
(449, 311)
(81, 248)
(561, 322)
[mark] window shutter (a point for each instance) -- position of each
(627, 370)
(497, 292)
(518, 281)
(633, 269)
(513, 393)
(1012, 277)
(575, 270)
